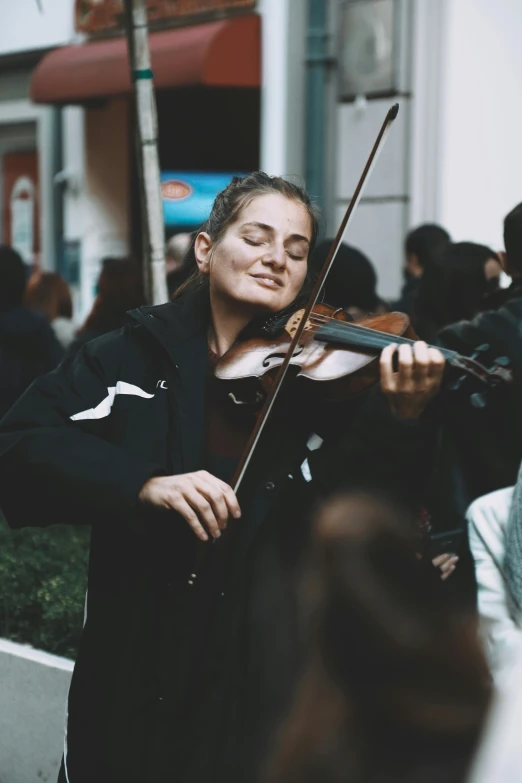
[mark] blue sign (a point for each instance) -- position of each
(188, 195)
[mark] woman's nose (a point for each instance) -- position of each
(276, 256)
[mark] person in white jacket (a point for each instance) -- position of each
(500, 620)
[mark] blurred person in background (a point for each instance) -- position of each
(454, 287)
(120, 289)
(480, 448)
(178, 260)
(511, 260)
(48, 293)
(499, 756)
(494, 540)
(422, 246)
(28, 346)
(351, 282)
(491, 439)
(395, 687)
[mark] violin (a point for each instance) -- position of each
(314, 326)
(341, 354)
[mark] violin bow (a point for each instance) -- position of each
(281, 374)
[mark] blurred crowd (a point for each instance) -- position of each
(419, 683)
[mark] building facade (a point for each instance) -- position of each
(300, 89)
(453, 155)
(29, 134)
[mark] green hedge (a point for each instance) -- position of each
(43, 579)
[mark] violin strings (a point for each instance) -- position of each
(365, 337)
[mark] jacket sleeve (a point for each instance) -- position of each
(499, 329)
(54, 469)
(377, 452)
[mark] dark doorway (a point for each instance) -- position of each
(209, 129)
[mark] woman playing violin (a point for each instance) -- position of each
(190, 650)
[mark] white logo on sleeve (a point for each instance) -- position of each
(104, 407)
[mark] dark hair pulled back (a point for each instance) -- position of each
(234, 198)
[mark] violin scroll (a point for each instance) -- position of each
(497, 375)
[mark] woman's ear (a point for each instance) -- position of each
(202, 247)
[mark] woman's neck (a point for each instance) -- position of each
(227, 322)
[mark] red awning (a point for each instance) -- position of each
(217, 54)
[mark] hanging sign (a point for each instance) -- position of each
(95, 16)
(188, 195)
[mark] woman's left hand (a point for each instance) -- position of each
(416, 381)
(447, 564)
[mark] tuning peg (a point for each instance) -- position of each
(457, 383)
(478, 400)
(480, 349)
(502, 361)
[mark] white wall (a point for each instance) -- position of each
(379, 222)
(23, 27)
(481, 145)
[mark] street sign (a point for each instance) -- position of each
(188, 195)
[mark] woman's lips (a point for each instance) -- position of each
(267, 282)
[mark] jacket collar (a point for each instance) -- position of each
(175, 322)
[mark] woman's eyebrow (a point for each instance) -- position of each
(270, 229)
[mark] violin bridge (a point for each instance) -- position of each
(294, 321)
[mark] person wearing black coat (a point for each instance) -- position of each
(487, 442)
(191, 650)
(28, 346)
(480, 448)
(422, 246)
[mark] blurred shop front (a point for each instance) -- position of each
(29, 160)
(30, 135)
(20, 189)
(207, 72)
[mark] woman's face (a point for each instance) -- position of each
(261, 261)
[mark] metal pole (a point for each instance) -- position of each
(318, 64)
(147, 149)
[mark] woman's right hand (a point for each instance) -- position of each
(203, 500)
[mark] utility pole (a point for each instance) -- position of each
(147, 151)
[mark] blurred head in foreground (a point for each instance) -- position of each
(395, 688)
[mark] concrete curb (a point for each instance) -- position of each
(33, 694)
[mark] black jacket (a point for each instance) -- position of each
(173, 681)
(28, 348)
(482, 447)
